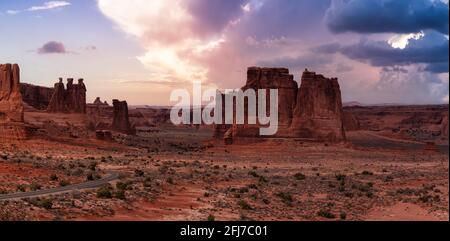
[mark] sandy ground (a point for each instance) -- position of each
(181, 174)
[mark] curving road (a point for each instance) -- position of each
(59, 190)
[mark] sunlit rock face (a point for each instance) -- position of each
(11, 107)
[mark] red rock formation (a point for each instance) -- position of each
(350, 122)
(11, 106)
(99, 102)
(319, 113)
(312, 112)
(36, 96)
(72, 100)
(121, 122)
(76, 96)
(271, 78)
(58, 102)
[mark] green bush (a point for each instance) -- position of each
(104, 192)
(326, 214)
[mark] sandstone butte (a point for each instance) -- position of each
(12, 125)
(72, 99)
(121, 122)
(312, 112)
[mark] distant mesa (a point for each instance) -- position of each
(99, 102)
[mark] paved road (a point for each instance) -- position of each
(59, 190)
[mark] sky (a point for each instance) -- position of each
(382, 51)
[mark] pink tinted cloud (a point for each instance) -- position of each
(52, 47)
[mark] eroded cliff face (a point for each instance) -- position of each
(11, 108)
(37, 97)
(319, 113)
(313, 111)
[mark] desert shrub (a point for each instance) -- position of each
(104, 192)
(170, 180)
(286, 197)
(138, 173)
(120, 194)
(340, 177)
(34, 186)
(90, 177)
(64, 183)
(244, 205)
(263, 179)
(122, 186)
(253, 174)
(93, 166)
(21, 188)
(367, 173)
(300, 176)
(326, 214)
(53, 177)
(211, 218)
(343, 215)
(46, 203)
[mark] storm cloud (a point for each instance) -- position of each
(431, 50)
(387, 16)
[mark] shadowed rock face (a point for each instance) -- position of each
(11, 107)
(121, 122)
(312, 112)
(36, 96)
(319, 112)
(72, 99)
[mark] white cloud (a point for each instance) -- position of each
(45, 6)
(166, 29)
(49, 5)
(402, 40)
(12, 12)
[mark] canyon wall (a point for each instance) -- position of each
(36, 96)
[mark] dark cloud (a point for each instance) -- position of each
(437, 68)
(431, 50)
(214, 15)
(394, 16)
(52, 47)
(289, 18)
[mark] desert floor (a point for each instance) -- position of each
(182, 174)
